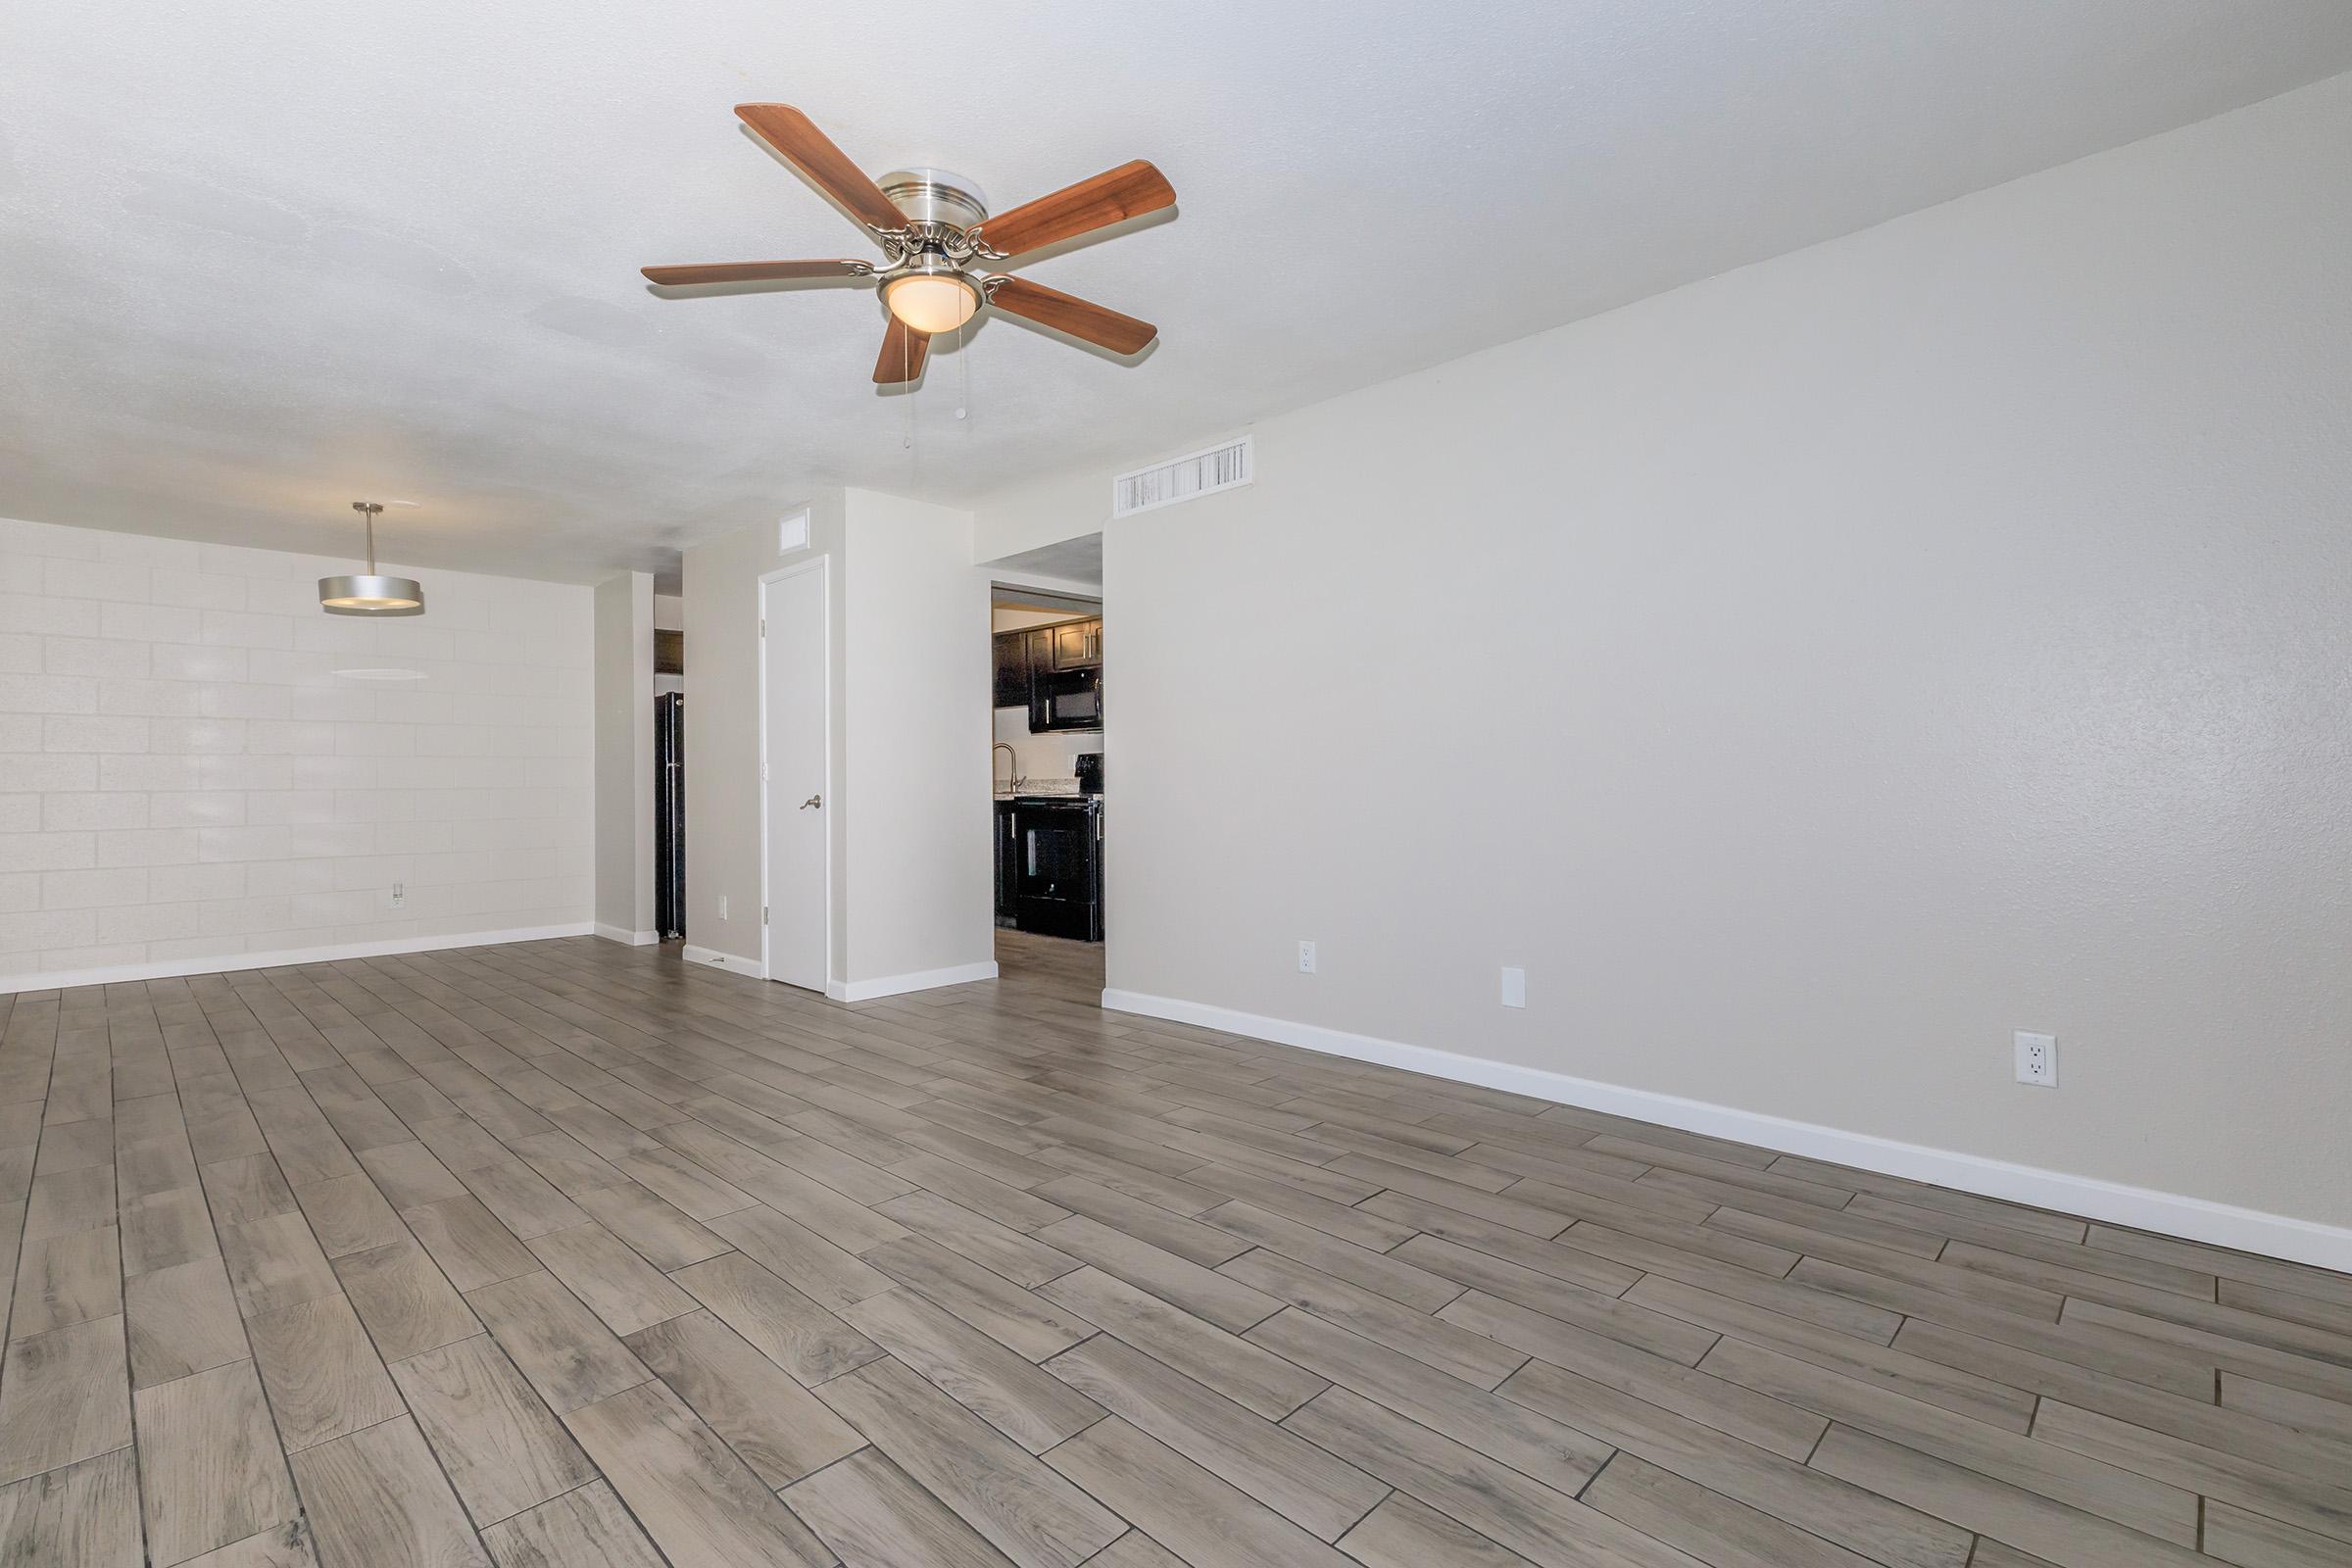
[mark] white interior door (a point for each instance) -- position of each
(795, 694)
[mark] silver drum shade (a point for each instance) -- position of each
(363, 595)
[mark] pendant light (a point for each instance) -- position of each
(370, 594)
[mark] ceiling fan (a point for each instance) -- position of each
(937, 235)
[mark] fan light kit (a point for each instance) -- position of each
(936, 234)
(365, 593)
(932, 302)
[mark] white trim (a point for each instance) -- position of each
(824, 565)
(283, 957)
(2247, 1230)
(626, 938)
(732, 962)
(892, 985)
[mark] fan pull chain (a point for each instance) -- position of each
(963, 372)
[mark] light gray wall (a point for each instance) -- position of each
(186, 778)
(624, 753)
(920, 666)
(721, 579)
(1810, 676)
(907, 802)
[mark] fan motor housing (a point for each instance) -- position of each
(934, 196)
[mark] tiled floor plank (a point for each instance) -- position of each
(701, 1504)
(64, 1396)
(780, 1429)
(1205, 1521)
(504, 1450)
(378, 1498)
(1501, 1503)
(1244, 1372)
(619, 1285)
(561, 1346)
(1321, 1494)
(1026, 1511)
(407, 1303)
(867, 1510)
(800, 1336)
(85, 1514)
(2064, 1536)
(583, 1529)
(1034, 1408)
(210, 1468)
(321, 1371)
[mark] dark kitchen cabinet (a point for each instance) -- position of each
(1054, 671)
(1013, 669)
(1077, 643)
(1056, 849)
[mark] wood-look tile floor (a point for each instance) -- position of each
(565, 1254)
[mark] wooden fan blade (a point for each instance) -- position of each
(1068, 313)
(1127, 191)
(903, 351)
(754, 272)
(812, 153)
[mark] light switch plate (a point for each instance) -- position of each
(1514, 987)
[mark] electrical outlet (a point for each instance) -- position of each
(1306, 957)
(722, 906)
(400, 894)
(1514, 987)
(2038, 1059)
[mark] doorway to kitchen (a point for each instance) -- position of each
(1048, 814)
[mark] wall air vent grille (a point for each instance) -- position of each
(1185, 478)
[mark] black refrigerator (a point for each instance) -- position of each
(669, 815)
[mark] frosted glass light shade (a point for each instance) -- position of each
(931, 301)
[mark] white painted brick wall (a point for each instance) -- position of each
(185, 775)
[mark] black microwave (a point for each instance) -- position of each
(1066, 699)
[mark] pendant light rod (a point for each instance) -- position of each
(369, 511)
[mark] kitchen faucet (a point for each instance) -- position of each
(1012, 779)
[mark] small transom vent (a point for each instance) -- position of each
(1185, 478)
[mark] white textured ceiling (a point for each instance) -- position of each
(1078, 560)
(256, 259)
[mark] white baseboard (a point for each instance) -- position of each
(729, 962)
(894, 985)
(626, 937)
(2247, 1230)
(284, 957)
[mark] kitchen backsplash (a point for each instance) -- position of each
(1053, 756)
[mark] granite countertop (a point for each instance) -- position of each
(1039, 788)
